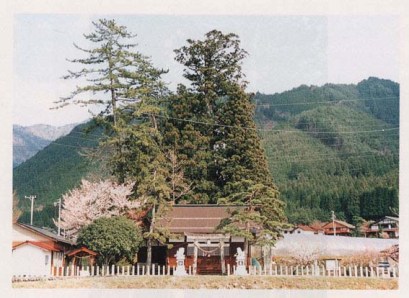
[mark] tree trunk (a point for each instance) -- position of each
(149, 242)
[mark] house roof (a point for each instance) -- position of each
(305, 228)
(46, 233)
(386, 217)
(340, 222)
(43, 245)
(195, 218)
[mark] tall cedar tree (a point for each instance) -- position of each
(222, 115)
(219, 143)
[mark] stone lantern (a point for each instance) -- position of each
(180, 262)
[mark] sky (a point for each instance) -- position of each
(284, 52)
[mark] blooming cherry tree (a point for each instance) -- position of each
(93, 200)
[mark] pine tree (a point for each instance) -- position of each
(116, 74)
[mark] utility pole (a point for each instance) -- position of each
(59, 215)
(31, 198)
(333, 222)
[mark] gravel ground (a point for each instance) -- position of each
(215, 282)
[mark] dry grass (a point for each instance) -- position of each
(217, 282)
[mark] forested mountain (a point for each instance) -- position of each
(28, 140)
(334, 147)
(52, 172)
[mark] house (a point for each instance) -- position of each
(194, 227)
(303, 229)
(387, 224)
(341, 228)
(36, 251)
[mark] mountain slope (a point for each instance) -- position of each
(334, 147)
(27, 141)
(53, 171)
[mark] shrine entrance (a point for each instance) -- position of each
(209, 252)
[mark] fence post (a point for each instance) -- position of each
(137, 269)
(286, 270)
(393, 271)
(228, 269)
(275, 270)
(291, 270)
(143, 270)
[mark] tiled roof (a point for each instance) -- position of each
(339, 222)
(45, 233)
(305, 228)
(195, 218)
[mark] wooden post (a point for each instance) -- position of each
(133, 270)
(195, 258)
(275, 270)
(222, 256)
(281, 270)
(143, 270)
(302, 270)
(366, 271)
(393, 271)
(323, 270)
(228, 269)
(153, 269)
(291, 270)
(361, 271)
(270, 268)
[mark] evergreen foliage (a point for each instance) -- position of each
(261, 220)
(112, 238)
(219, 143)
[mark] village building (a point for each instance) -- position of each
(387, 225)
(338, 228)
(303, 229)
(38, 252)
(195, 228)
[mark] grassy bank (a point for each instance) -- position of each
(216, 282)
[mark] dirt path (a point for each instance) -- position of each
(216, 282)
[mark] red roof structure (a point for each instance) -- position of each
(49, 246)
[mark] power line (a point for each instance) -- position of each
(267, 130)
(323, 102)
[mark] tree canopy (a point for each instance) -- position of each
(113, 238)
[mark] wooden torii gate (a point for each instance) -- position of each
(218, 241)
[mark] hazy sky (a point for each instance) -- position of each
(285, 52)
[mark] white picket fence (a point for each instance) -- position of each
(317, 271)
(273, 270)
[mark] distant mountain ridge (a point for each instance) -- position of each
(28, 140)
(330, 148)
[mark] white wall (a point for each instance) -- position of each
(31, 260)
